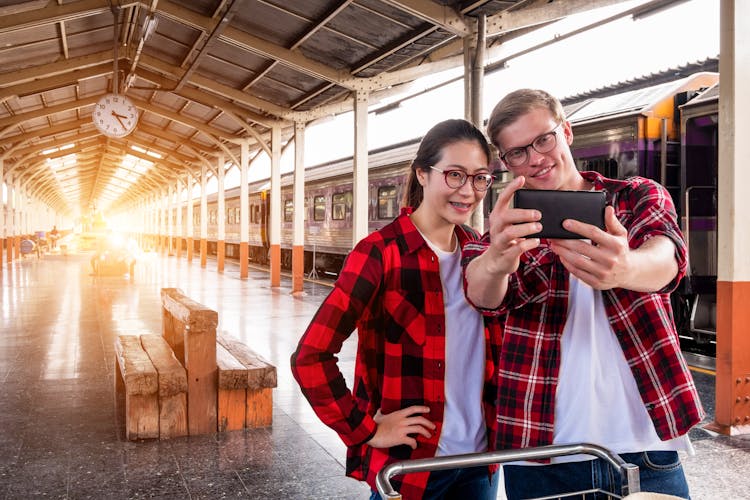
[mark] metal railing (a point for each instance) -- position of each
(630, 480)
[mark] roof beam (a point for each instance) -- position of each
(543, 12)
(434, 13)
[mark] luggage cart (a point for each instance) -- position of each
(629, 478)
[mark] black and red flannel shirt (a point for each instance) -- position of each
(390, 291)
(535, 310)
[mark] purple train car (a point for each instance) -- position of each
(667, 132)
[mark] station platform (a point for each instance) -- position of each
(61, 436)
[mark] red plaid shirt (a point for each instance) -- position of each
(391, 292)
(535, 310)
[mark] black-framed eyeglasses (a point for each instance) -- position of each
(454, 179)
(545, 143)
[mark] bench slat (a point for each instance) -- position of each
(172, 386)
(137, 378)
(260, 373)
(232, 373)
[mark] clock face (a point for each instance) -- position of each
(115, 115)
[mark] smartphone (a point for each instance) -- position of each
(556, 206)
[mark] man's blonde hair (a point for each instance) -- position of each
(517, 104)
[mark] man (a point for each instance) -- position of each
(589, 350)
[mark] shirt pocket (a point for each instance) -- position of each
(404, 317)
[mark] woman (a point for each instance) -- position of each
(424, 378)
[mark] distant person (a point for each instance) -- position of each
(590, 351)
(424, 375)
(54, 235)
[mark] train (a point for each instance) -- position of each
(667, 132)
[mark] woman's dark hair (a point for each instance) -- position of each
(430, 152)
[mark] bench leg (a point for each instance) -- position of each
(231, 409)
(173, 416)
(259, 408)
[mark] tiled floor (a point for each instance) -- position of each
(60, 436)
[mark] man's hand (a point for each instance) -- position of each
(609, 262)
(605, 262)
(508, 230)
(487, 275)
(398, 427)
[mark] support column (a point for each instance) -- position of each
(473, 86)
(17, 211)
(190, 222)
(9, 241)
(361, 201)
(170, 219)
(274, 218)
(154, 224)
(221, 214)
(244, 208)
(180, 228)
(298, 237)
(3, 212)
(733, 280)
(204, 216)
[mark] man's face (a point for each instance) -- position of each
(521, 142)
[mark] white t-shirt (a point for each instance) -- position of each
(464, 427)
(597, 397)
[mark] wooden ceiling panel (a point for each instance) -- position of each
(203, 71)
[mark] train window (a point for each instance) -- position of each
(387, 202)
(212, 217)
(319, 208)
(229, 216)
(342, 204)
(307, 207)
(196, 218)
(288, 210)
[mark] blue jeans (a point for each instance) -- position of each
(471, 483)
(660, 472)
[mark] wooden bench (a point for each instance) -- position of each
(154, 385)
(190, 330)
(246, 382)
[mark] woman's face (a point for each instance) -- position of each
(454, 205)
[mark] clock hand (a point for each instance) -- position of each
(119, 119)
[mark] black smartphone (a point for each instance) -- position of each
(556, 206)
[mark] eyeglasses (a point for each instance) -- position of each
(457, 178)
(543, 144)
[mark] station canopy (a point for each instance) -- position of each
(206, 74)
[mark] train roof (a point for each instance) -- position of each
(642, 101)
(709, 95)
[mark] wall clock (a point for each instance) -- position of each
(115, 115)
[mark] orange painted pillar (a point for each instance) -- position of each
(18, 247)
(732, 414)
(204, 251)
(2, 241)
(190, 249)
(298, 268)
(275, 265)
(220, 245)
(732, 358)
(178, 247)
(9, 248)
(243, 259)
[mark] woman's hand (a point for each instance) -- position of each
(397, 427)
